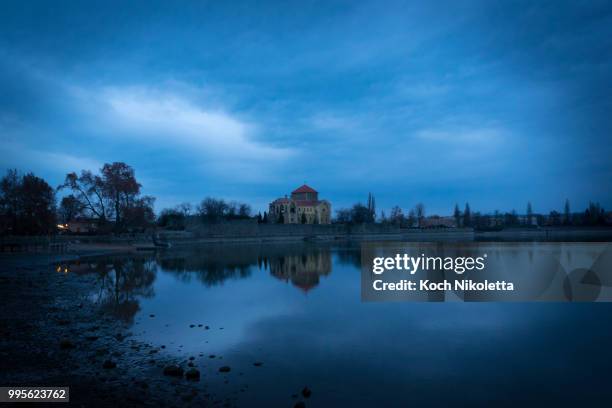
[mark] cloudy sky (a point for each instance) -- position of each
(495, 103)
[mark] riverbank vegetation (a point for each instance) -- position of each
(111, 201)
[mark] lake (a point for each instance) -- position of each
(297, 309)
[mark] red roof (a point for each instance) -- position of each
(304, 189)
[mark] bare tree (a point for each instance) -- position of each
(420, 213)
(113, 194)
(397, 216)
(120, 188)
(244, 210)
(343, 215)
(184, 208)
(88, 189)
(411, 218)
(70, 208)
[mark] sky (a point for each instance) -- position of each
(488, 102)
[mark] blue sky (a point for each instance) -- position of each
(495, 103)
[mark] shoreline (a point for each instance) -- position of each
(101, 245)
(53, 334)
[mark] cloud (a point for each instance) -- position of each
(491, 136)
(403, 100)
(334, 122)
(171, 118)
(422, 91)
(184, 125)
(45, 162)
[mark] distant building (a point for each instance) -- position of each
(303, 207)
(436, 221)
(80, 225)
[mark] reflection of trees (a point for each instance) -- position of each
(121, 281)
(210, 265)
(300, 263)
(210, 273)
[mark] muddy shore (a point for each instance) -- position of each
(52, 334)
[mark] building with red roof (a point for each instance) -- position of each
(303, 207)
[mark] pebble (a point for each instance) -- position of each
(66, 344)
(192, 374)
(173, 371)
(109, 364)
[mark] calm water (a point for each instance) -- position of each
(297, 309)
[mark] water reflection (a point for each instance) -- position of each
(209, 265)
(121, 282)
(124, 279)
(331, 340)
(302, 270)
(300, 264)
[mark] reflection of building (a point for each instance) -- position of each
(303, 270)
(304, 207)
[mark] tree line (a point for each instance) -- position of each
(593, 215)
(27, 204)
(361, 213)
(209, 210)
(112, 198)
